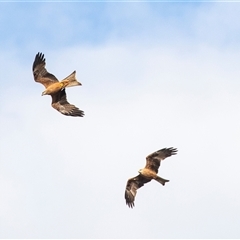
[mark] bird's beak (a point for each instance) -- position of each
(43, 93)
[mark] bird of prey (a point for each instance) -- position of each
(147, 174)
(56, 88)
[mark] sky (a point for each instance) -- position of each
(154, 75)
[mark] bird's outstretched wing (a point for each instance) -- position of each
(133, 184)
(40, 73)
(60, 103)
(154, 159)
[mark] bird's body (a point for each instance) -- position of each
(148, 173)
(56, 88)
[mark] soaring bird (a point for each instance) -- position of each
(56, 88)
(147, 174)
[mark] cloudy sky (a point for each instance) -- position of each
(153, 75)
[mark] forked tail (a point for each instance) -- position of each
(71, 81)
(161, 180)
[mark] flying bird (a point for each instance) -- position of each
(148, 173)
(56, 88)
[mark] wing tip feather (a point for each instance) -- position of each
(39, 59)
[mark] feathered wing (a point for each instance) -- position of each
(133, 184)
(40, 73)
(154, 159)
(60, 103)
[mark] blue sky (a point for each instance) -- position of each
(153, 75)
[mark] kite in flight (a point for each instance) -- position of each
(56, 88)
(147, 174)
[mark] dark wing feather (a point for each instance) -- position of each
(60, 103)
(154, 159)
(40, 73)
(133, 184)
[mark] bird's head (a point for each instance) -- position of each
(44, 92)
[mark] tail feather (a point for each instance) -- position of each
(71, 80)
(161, 180)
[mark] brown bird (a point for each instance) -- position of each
(147, 174)
(55, 88)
